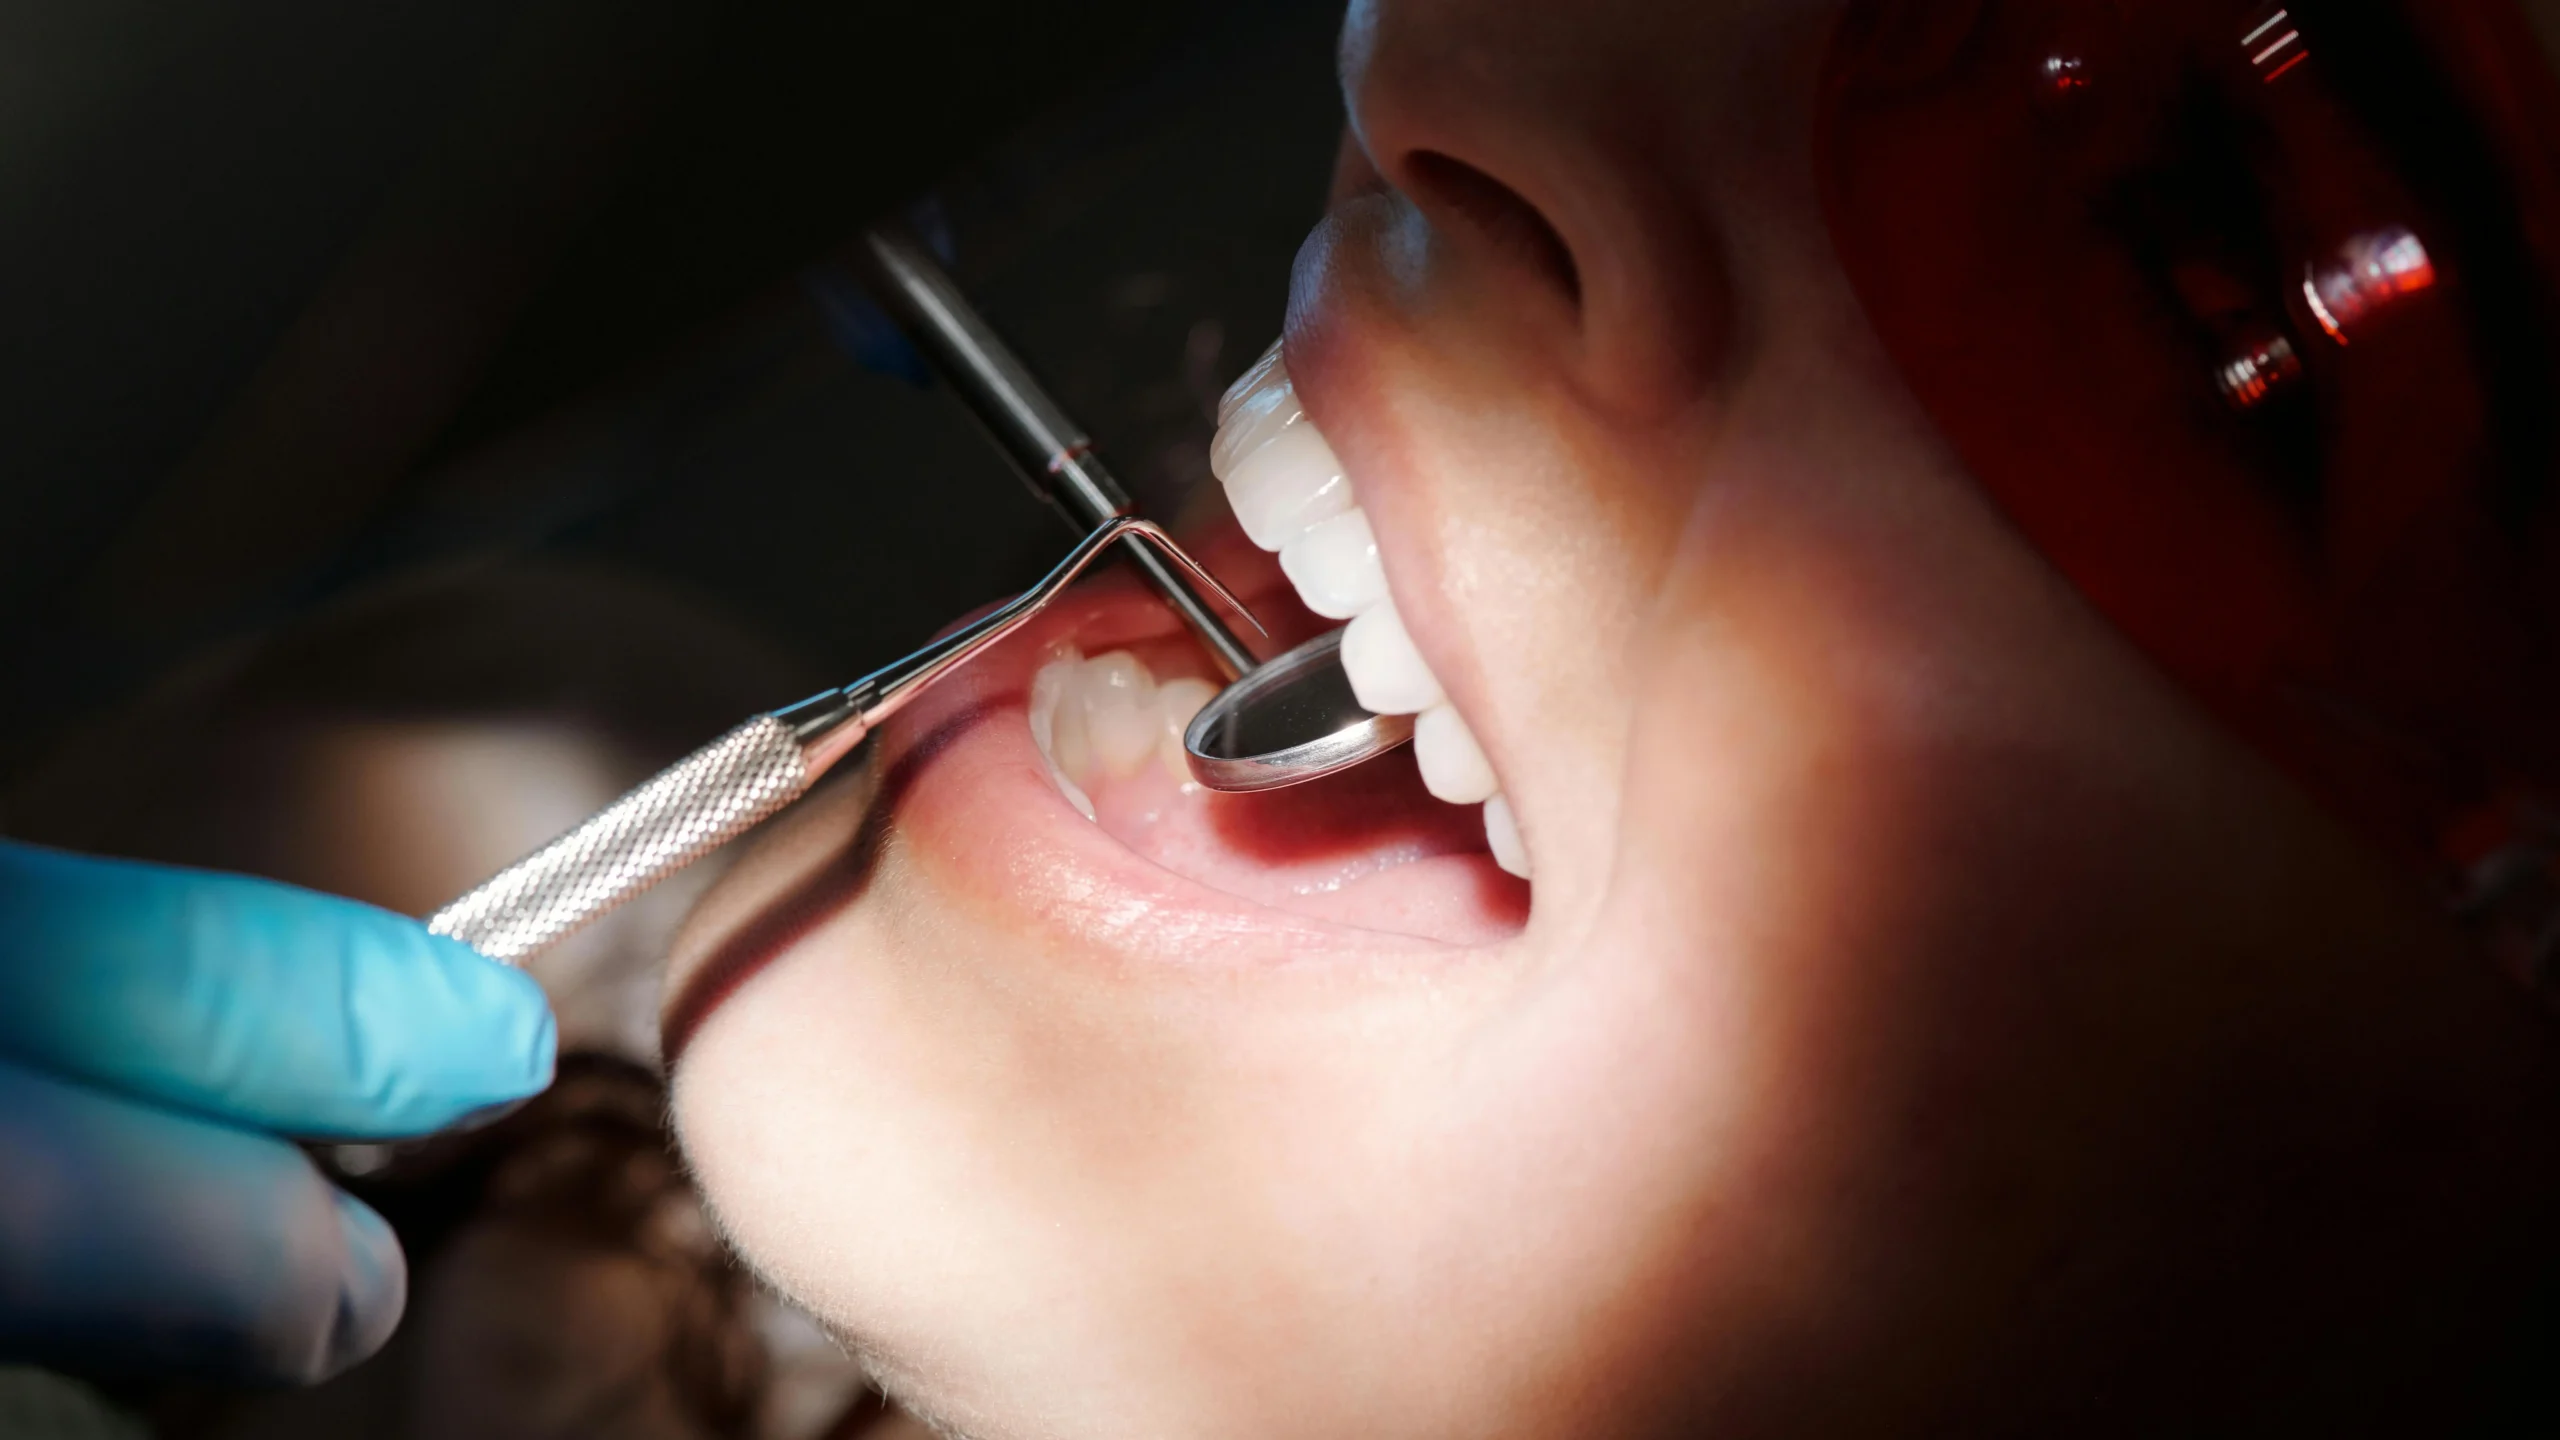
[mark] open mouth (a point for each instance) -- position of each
(1089, 705)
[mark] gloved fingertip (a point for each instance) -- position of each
(373, 1289)
(542, 1053)
(519, 1009)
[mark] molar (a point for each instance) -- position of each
(1048, 685)
(1053, 695)
(1070, 738)
(1076, 796)
(1121, 719)
(1107, 717)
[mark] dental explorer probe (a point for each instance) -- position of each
(1053, 453)
(727, 787)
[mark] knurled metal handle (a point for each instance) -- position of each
(685, 812)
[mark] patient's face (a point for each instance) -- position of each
(1905, 975)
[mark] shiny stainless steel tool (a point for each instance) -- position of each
(1284, 722)
(1053, 453)
(1292, 720)
(727, 787)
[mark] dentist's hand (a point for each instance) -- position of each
(161, 1030)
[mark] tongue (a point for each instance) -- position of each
(1368, 847)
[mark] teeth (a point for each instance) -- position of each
(1070, 736)
(1502, 832)
(1047, 686)
(1387, 674)
(1335, 566)
(1120, 712)
(1106, 718)
(1453, 765)
(1075, 795)
(1254, 420)
(1283, 489)
(1260, 422)
(1256, 377)
(1291, 495)
(1179, 700)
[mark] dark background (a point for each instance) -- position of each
(301, 295)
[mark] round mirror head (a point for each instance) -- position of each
(1292, 720)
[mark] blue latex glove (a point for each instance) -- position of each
(159, 1030)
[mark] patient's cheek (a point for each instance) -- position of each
(846, 1111)
(762, 1101)
(792, 878)
(783, 1049)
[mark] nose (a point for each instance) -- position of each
(1519, 139)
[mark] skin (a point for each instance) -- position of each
(1927, 1019)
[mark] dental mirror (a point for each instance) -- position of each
(1288, 721)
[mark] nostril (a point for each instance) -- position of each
(1500, 212)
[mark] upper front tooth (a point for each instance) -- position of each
(1255, 376)
(1387, 674)
(1335, 566)
(1502, 836)
(1286, 487)
(1252, 424)
(1290, 495)
(1453, 764)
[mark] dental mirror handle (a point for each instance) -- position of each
(1051, 451)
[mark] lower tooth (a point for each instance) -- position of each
(1054, 699)
(1075, 795)
(1070, 740)
(1048, 686)
(1057, 717)
(1179, 700)
(1121, 718)
(1502, 833)
(1109, 716)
